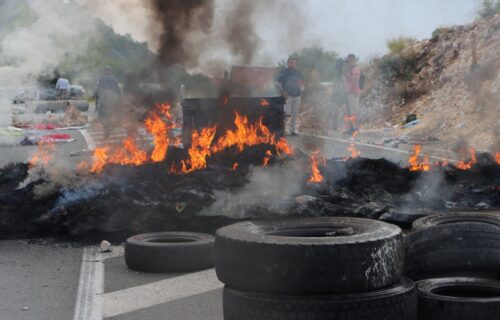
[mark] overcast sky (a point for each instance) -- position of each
(364, 26)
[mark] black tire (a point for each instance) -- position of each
(170, 252)
(295, 256)
(397, 302)
(455, 247)
(454, 217)
(458, 299)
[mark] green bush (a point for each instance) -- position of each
(440, 31)
(398, 45)
(400, 67)
(490, 8)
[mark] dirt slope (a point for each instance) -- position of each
(454, 88)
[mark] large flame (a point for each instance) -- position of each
(43, 155)
(160, 129)
(199, 150)
(415, 165)
(466, 165)
(125, 154)
(245, 135)
(315, 160)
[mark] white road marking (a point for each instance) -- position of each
(152, 294)
(91, 286)
(88, 139)
(372, 146)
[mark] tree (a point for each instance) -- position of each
(316, 64)
(490, 8)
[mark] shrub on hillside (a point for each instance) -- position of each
(398, 45)
(490, 8)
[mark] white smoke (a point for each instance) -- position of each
(271, 188)
(59, 30)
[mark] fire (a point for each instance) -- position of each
(160, 129)
(99, 159)
(497, 157)
(235, 166)
(413, 160)
(355, 153)
(264, 103)
(266, 159)
(199, 150)
(245, 135)
(315, 159)
(350, 119)
(282, 146)
(463, 165)
(43, 155)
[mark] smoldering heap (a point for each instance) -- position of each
(123, 200)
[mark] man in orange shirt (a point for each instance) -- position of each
(352, 74)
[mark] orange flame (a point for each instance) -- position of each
(266, 159)
(99, 159)
(351, 119)
(282, 146)
(43, 155)
(199, 150)
(355, 153)
(159, 129)
(264, 103)
(245, 135)
(463, 165)
(414, 163)
(315, 159)
(497, 157)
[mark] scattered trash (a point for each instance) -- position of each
(180, 206)
(51, 138)
(80, 153)
(411, 124)
(105, 246)
(304, 199)
(341, 232)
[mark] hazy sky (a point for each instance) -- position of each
(364, 26)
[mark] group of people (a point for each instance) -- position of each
(107, 96)
(291, 83)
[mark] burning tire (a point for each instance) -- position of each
(458, 299)
(453, 217)
(452, 248)
(393, 303)
(309, 256)
(166, 252)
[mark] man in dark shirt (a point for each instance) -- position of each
(291, 83)
(107, 95)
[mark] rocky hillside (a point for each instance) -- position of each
(451, 82)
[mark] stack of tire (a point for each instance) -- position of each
(314, 269)
(456, 259)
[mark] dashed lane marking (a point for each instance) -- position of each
(156, 293)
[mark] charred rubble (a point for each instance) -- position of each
(124, 200)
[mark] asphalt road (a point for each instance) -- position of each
(45, 280)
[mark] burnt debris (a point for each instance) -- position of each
(125, 200)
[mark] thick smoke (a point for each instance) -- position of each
(53, 31)
(241, 34)
(269, 189)
(179, 19)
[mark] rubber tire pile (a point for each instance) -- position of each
(456, 259)
(323, 268)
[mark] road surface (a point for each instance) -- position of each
(43, 280)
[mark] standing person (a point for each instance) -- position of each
(107, 95)
(352, 74)
(62, 88)
(291, 83)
